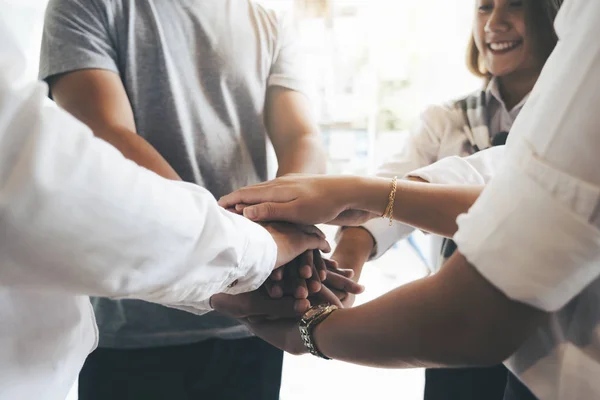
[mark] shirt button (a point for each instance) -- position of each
(232, 284)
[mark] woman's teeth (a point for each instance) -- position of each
(499, 46)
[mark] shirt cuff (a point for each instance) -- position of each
(386, 236)
(528, 244)
(258, 259)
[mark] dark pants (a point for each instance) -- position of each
(487, 383)
(515, 390)
(211, 370)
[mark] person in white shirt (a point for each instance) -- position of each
(78, 219)
(508, 48)
(524, 286)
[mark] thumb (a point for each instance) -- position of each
(311, 242)
(284, 212)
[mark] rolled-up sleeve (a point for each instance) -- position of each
(477, 169)
(534, 232)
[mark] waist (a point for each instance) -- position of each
(138, 324)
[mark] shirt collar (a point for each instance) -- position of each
(492, 93)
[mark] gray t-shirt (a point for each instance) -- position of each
(196, 73)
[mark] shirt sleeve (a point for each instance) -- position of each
(77, 217)
(477, 169)
(76, 36)
(422, 148)
(289, 69)
(535, 233)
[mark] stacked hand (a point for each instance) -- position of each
(290, 291)
(301, 278)
(302, 199)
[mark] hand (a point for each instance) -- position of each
(338, 288)
(299, 278)
(353, 250)
(293, 240)
(258, 304)
(283, 334)
(302, 199)
(291, 280)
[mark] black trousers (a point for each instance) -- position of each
(490, 383)
(211, 370)
(515, 390)
(486, 383)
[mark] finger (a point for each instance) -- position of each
(311, 230)
(301, 306)
(256, 194)
(313, 284)
(271, 211)
(277, 274)
(328, 296)
(342, 283)
(339, 294)
(348, 273)
(330, 263)
(320, 266)
(239, 208)
(305, 271)
(314, 243)
(274, 289)
(300, 291)
(233, 210)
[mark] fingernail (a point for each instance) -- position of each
(250, 213)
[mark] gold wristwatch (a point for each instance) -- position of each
(309, 321)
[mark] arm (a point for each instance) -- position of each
(453, 318)
(293, 132)
(429, 207)
(98, 99)
(352, 252)
(289, 119)
(376, 237)
(531, 256)
(79, 60)
(326, 199)
(78, 218)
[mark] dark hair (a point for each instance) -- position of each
(540, 15)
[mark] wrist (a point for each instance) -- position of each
(370, 194)
(322, 332)
(355, 247)
(309, 322)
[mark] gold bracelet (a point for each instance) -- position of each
(389, 210)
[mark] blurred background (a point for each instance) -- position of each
(376, 64)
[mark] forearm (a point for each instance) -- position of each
(353, 249)
(430, 207)
(302, 155)
(102, 226)
(137, 149)
(454, 318)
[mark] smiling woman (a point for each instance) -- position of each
(511, 41)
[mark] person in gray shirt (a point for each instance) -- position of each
(192, 90)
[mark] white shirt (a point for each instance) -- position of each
(440, 134)
(77, 219)
(535, 231)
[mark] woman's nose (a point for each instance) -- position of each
(497, 21)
